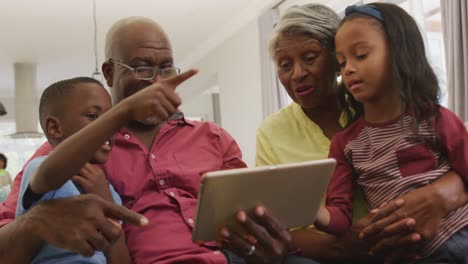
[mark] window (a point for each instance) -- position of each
(428, 16)
(17, 150)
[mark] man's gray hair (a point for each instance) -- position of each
(113, 35)
(315, 20)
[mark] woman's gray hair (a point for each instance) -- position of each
(315, 20)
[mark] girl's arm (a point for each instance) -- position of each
(335, 215)
(453, 139)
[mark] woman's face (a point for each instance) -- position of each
(305, 68)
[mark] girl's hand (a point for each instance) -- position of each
(323, 217)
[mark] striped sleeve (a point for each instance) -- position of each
(339, 201)
(454, 141)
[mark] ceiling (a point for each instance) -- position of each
(58, 35)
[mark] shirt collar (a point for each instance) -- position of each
(177, 118)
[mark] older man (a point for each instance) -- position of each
(155, 167)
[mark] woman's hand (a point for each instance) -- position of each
(423, 210)
(265, 239)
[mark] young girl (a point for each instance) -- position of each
(402, 138)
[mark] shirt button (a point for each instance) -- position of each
(126, 136)
(190, 220)
(153, 156)
(172, 194)
(161, 182)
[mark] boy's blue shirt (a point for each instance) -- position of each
(48, 252)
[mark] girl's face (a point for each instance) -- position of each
(305, 68)
(363, 54)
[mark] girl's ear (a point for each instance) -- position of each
(53, 128)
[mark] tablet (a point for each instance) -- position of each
(290, 192)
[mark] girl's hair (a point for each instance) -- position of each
(411, 71)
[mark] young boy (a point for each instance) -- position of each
(66, 107)
(67, 110)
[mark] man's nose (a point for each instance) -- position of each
(155, 79)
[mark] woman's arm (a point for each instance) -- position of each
(276, 241)
(426, 205)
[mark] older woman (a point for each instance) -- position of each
(302, 47)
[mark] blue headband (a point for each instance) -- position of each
(369, 10)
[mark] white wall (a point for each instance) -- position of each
(337, 5)
(199, 106)
(234, 66)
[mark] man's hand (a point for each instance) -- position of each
(265, 239)
(93, 180)
(157, 101)
(80, 223)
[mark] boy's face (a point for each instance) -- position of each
(87, 101)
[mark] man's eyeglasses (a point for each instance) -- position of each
(148, 73)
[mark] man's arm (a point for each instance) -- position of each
(230, 151)
(81, 218)
(18, 243)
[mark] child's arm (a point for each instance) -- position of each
(453, 139)
(158, 100)
(118, 253)
(335, 214)
(93, 180)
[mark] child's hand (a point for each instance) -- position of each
(323, 217)
(92, 179)
(158, 101)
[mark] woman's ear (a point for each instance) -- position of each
(53, 128)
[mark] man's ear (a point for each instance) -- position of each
(108, 71)
(53, 128)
